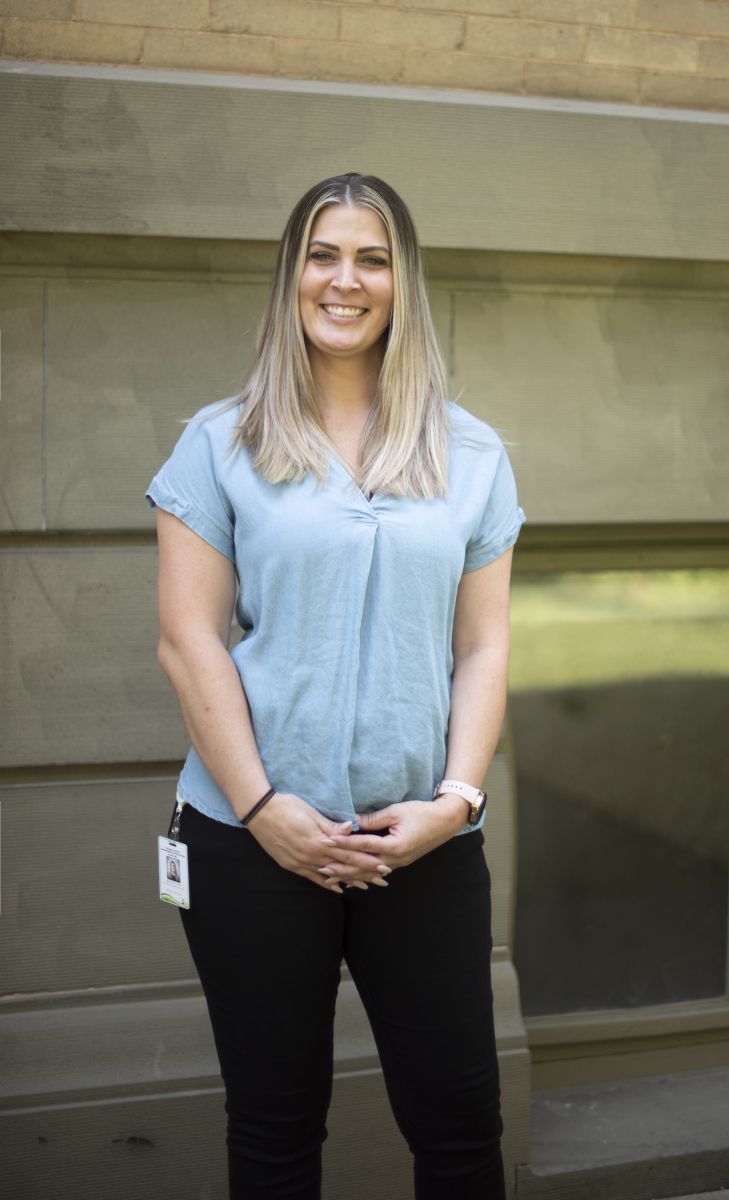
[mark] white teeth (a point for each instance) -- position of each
(338, 310)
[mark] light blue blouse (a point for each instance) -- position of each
(346, 606)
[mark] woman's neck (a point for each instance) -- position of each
(345, 388)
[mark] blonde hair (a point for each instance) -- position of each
(405, 438)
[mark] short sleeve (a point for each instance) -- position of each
(500, 522)
(188, 487)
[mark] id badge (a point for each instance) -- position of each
(174, 880)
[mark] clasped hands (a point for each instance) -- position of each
(328, 853)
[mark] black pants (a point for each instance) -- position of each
(268, 946)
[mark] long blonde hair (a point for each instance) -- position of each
(405, 437)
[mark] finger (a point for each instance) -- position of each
(331, 829)
(333, 873)
(329, 885)
(354, 868)
(363, 844)
(356, 858)
(376, 820)
(318, 852)
(348, 876)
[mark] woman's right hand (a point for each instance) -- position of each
(299, 839)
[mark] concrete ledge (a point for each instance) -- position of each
(109, 152)
(721, 1195)
(121, 1097)
(638, 1139)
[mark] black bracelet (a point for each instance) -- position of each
(257, 807)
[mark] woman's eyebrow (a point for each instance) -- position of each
(362, 249)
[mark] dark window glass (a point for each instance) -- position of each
(619, 707)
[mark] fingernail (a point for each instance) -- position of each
(359, 883)
(384, 870)
(327, 841)
(334, 887)
(379, 883)
(325, 870)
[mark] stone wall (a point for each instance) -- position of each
(649, 52)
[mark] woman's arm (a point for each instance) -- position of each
(481, 643)
(196, 590)
(478, 703)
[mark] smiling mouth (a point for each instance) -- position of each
(341, 310)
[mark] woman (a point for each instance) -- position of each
(370, 522)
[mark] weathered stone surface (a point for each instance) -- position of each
(80, 895)
(127, 360)
(613, 406)
(81, 679)
(21, 403)
(193, 160)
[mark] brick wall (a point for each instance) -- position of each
(658, 52)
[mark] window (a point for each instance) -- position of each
(619, 707)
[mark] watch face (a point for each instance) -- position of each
(477, 811)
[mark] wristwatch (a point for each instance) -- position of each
(474, 797)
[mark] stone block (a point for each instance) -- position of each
(453, 68)
(634, 48)
(714, 60)
(208, 51)
(538, 178)
(706, 17)
(173, 14)
(440, 308)
(499, 848)
(361, 61)
(81, 680)
(148, 1143)
(580, 12)
(32, 10)
(21, 402)
(684, 91)
(415, 30)
(496, 8)
(81, 907)
(126, 1148)
(524, 39)
(127, 359)
(629, 427)
(573, 80)
(583, 12)
(72, 41)
(285, 18)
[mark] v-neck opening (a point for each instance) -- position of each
(351, 478)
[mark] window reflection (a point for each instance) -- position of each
(619, 706)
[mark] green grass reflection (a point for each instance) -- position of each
(603, 626)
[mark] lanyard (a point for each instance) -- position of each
(174, 830)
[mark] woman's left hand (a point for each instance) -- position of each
(414, 827)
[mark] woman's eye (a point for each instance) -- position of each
(325, 256)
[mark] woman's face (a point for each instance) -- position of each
(345, 294)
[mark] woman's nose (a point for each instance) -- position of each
(346, 277)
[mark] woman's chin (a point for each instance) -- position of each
(343, 347)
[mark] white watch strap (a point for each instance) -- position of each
(472, 794)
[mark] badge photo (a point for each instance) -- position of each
(174, 884)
